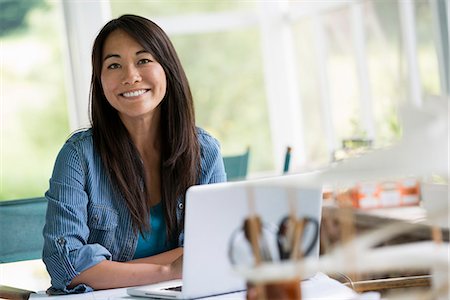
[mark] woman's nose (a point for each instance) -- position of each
(131, 75)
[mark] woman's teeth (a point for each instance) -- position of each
(134, 93)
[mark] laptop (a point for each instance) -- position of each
(212, 214)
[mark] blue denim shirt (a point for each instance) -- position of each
(87, 220)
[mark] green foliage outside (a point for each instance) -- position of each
(228, 89)
(13, 13)
(34, 105)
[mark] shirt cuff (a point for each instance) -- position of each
(81, 259)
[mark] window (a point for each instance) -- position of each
(264, 74)
(224, 67)
(271, 74)
(34, 119)
(228, 90)
(357, 64)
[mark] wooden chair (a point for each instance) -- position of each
(21, 224)
(236, 166)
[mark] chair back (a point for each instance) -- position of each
(21, 224)
(236, 166)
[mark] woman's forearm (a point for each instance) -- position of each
(162, 258)
(111, 274)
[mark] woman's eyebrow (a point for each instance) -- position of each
(118, 56)
(111, 55)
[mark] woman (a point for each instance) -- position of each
(116, 196)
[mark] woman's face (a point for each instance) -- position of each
(134, 83)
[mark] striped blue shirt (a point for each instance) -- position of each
(87, 220)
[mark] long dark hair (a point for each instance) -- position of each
(180, 150)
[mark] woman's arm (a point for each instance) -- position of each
(161, 259)
(111, 274)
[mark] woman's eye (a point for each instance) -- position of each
(143, 61)
(113, 66)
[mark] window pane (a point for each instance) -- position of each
(316, 148)
(426, 49)
(34, 114)
(387, 67)
(228, 88)
(343, 81)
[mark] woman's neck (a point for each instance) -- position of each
(145, 132)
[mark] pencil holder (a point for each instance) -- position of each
(261, 248)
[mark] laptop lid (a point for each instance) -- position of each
(213, 213)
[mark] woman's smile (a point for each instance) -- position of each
(134, 94)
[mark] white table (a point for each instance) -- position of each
(31, 275)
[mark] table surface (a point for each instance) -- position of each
(32, 275)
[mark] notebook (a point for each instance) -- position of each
(212, 214)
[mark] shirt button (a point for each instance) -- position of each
(95, 218)
(61, 241)
(180, 205)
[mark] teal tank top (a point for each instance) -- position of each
(153, 242)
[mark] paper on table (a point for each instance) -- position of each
(323, 287)
(97, 295)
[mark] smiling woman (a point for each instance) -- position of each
(115, 203)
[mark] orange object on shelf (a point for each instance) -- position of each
(403, 192)
(410, 191)
(373, 194)
(367, 195)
